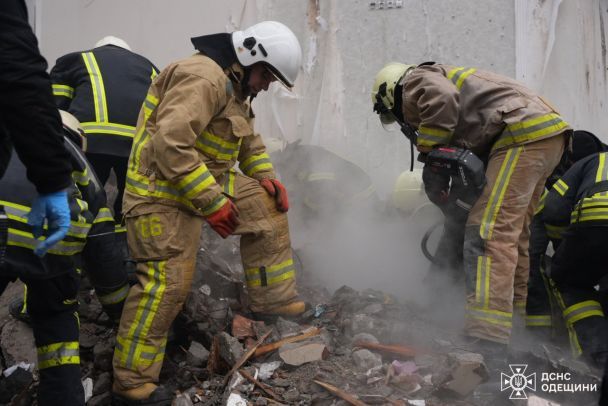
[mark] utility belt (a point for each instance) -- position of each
(3, 235)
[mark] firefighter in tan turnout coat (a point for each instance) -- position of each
(195, 124)
(519, 136)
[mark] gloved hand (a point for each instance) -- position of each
(225, 220)
(278, 191)
(436, 185)
(55, 209)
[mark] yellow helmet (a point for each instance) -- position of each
(383, 91)
(408, 192)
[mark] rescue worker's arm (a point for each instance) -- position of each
(561, 199)
(255, 163)
(185, 109)
(253, 159)
(432, 97)
(63, 76)
(29, 115)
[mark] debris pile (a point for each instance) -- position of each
(351, 347)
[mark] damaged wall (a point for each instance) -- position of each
(562, 53)
(344, 44)
(557, 47)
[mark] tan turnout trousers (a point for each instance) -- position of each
(497, 234)
(164, 241)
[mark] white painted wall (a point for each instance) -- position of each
(344, 45)
(348, 43)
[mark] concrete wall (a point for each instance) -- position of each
(344, 42)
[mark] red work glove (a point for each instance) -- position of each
(278, 191)
(225, 220)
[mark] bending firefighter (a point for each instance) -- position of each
(196, 122)
(53, 279)
(520, 138)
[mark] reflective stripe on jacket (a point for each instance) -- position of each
(192, 129)
(104, 89)
(576, 198)
(475, 109)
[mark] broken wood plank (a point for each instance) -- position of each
(395, 349)
(245, 357)
(265, 388)
(340, 393)
(265, 349)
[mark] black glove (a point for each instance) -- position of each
(436, 185)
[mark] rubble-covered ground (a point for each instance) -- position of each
(350, 347)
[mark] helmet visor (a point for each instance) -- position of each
(389, 122)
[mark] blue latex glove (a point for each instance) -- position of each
(55, 209)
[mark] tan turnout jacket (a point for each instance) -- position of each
(475, 109)
(193, 127)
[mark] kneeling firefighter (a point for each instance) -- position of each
(576, 209)
(53, 277)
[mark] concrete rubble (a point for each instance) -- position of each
(353, 347)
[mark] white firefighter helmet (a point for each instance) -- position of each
(73, 129)
(408, 193)
(383, 90)
(111, 40)
(273, 44)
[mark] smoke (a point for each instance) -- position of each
(362, 244)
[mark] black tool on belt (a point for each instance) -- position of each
(3, 235)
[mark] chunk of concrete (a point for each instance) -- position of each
(536, 401)
(231, 349)
(18, 343)
(365, 337)
(365, 359)
(296, 354)
(197, 354)
(467, 371)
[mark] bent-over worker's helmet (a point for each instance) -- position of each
(273, 44)
(383, 91)
(111, 40)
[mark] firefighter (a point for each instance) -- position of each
(53, 279)
(575, 210)
(518, 135)
(30, 123)
(538, 302)
(195, 123)
(321, 182)
(104, 89)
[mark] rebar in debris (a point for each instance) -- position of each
(265, 388)
(340, 393)
(265, 349)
